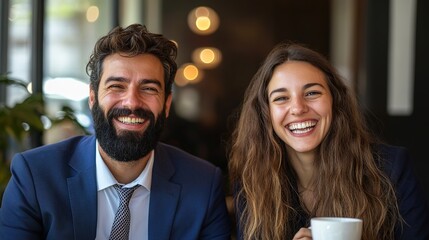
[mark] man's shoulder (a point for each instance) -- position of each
(64, 144)
(41, 160)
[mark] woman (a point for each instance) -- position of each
(301, 149)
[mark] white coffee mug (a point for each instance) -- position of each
(336, 228)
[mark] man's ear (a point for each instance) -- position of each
(91, 99)
(168, 104)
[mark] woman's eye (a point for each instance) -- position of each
(278, 99)
(313, 93)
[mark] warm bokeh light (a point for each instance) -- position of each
(203, 23)
(92, 14)
(180, 80)
(203, 20)
(188, 73)
(202, 11)
(207, 57)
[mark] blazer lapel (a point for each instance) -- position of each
(164, 197)
(82, 187)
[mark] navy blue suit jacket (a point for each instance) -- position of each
(53, 195)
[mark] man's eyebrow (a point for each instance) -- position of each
(116, 79)
(150, 81)
(141, 81)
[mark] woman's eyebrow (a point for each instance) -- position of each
(306, 86)
(309, 85)
(278, 90)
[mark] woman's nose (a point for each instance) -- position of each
(298, 106)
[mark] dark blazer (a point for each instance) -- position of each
(413, 205)
(53, 195)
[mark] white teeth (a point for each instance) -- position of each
(302, 126)
(301, 131)
(130, 120)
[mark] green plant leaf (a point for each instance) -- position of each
(12, 81)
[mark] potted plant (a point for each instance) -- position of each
(18, 121)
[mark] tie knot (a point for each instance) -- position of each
(125, 193)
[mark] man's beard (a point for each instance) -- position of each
(126, 146)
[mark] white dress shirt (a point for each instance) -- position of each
(108, 200)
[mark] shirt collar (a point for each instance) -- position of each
(105, 178)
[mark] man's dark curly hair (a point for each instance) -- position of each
(132, 41)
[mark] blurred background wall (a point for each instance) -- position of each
(380, 47)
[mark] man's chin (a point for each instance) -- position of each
(127, 134)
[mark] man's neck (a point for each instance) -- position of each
(124, 172)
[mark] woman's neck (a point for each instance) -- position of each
(303, 164)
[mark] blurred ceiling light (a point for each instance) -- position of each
(203, 20)
(207, 57)
(188, 73)
(180, 80)
(92, 14)
(203, 23)
(66, 88)
(202, 11)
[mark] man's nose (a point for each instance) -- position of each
(132, 99)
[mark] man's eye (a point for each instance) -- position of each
(115, 86)
(151, 90)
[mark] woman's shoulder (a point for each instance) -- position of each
(391, 150)
(397, 163)
(393, 160)
(392, 154)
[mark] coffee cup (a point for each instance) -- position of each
(336, 228)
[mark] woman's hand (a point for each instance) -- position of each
(303, 234)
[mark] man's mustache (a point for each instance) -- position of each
(140, 112)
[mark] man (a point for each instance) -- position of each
(68, 190)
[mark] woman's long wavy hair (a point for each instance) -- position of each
(348, 182)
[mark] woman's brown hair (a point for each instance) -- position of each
(348, 181)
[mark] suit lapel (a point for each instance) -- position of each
(82, 188)
(164, 197)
